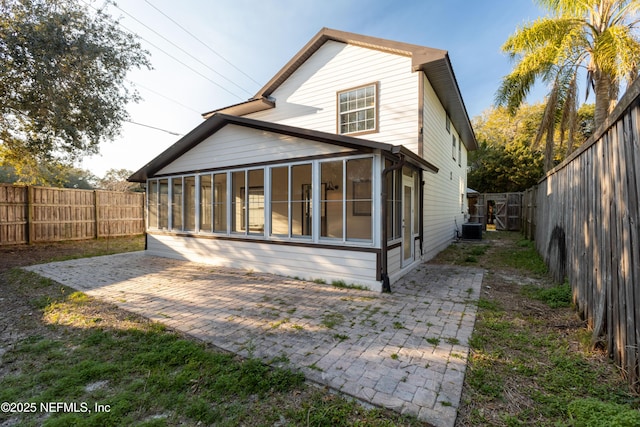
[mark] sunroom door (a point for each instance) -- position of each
(407, 220)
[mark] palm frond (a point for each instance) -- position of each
(617, 53)
(626, 13)
(514, 90)
(568, 121)
(540, 33)
(547, 124)
(564, 7)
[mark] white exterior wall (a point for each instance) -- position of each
(236, 145)
(352, 267)
(308, 98)
(442, 191)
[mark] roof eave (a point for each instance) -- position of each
(440, 74)
(250, 106)
(219, 120)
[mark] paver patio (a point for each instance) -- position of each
(406, 351)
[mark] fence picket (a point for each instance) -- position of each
(590, 206)
(43, 214)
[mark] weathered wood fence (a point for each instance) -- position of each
(506, 210)
(585, 218)
(43, 214)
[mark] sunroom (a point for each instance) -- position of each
(337, 208)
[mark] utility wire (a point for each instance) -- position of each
(184, 64)
(165, 97)
(172, 57)
(178, 47)
(153, 127)
(203, 43)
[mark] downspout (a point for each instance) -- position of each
(421, 208)
(386, 284)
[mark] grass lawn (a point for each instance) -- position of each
(531, 362)
(69, 359)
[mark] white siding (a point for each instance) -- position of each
(308, 98)
(236, 145)
(442, 190)
(353, 267)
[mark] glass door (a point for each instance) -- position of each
(407, 221)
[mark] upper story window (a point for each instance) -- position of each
(453, 147)
(358, 110)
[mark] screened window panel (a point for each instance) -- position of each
(280, 201)
(190, 203)
(238, 202)
(152, 204)
(301, 201)
(220, 202)
(331, 200)
(206, 203)
(359, 198)
(255, 201)
(163, 204)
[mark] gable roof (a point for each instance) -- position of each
(216, 122)
(434, 63)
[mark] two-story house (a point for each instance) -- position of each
(348, 165)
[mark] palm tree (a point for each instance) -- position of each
(599, 36)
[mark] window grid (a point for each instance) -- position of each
(357, 110)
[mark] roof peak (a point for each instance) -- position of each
(419, 54)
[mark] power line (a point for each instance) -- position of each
(178, 47)
(153, 127)
(165, 97)
(203, 43)
(184, 64)
(172, 57)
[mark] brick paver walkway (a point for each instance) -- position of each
(406, 350)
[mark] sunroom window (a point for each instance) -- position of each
(220, 202)
(346, 199)
(357, 110)
(237, 203)
(291, 199)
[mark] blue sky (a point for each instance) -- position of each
(259, 36)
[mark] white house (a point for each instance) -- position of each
(348, 165)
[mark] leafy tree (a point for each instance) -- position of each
(62, 82)
(52, 174)
(506, 159)
(73, 177)
(116, 180)
(597, 35)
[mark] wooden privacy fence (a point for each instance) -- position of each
(585, 218)
(43, 214)
(505, 210)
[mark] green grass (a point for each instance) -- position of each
(77, 349)
(555, 297)
(343, 285)
(524, 364)
(331, 320)
(522, 257)
(144, 369)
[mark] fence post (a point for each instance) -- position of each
(95, 214)
(30, 226)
